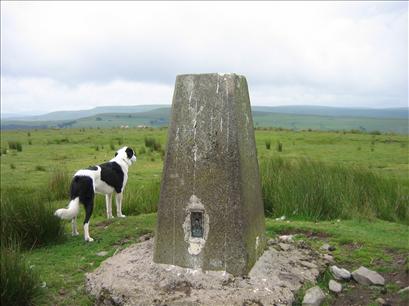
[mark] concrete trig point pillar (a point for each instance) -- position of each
(210, 213)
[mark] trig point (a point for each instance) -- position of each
(210, 213)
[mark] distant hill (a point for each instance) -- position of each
(328, 118)
(72, 115)
(398, 112)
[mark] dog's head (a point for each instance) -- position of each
(126, 154)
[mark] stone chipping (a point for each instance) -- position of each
(132, 278)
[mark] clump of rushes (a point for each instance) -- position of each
(152, 144)
(20, 284)
(15, 145)
(313, 190)
(29, 220)
(268, 144)
(59, 184)
(279, 146)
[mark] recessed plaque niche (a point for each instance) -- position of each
(196, 224)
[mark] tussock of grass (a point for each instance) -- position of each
(313, 190)
(29, 220)
(59, 184)
(153, 144)
(15, 145)
(142, 199)
(19, 283)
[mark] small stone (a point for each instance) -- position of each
(406, 289)
(325, 247)
(334, 286)
(145, 237)
(284, 246)
(61, 291)
(340, 273)
(331, 248)
(313, 297)
(102, 253)
(328, 258)
(271, 242)
(286, 238)
(380, 301)
(365, 276)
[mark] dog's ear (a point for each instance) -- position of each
(129, 152)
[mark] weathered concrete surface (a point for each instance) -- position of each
(210, 213)
(131, 278)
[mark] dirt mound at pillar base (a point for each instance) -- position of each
(131, 278)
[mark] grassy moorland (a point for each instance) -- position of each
(311, 177)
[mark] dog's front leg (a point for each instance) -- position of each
(118, 200)
(108, 202)
(74, 226)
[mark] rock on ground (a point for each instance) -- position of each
(365, 276)
(313, 297)
(334, 286)
(131, 278)
(340, 273)
(406, 289)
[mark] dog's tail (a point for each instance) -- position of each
(71, 211)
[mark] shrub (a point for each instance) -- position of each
(30, 142)
(59, 185)
(40, 168)
(12, 166)
(313, 190)
(152, 144)
(28, 219)
(19, 283)
(3, 151)
(112, 146)
(279, 146)
(15, 145)
(268, 144)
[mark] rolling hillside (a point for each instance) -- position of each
(317, 118)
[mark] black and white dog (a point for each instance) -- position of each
(106, 178)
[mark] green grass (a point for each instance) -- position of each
(27, 218)
(313, 190)
(66, 263)
(364, 172)
(20, 285)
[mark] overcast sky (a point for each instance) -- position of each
(78, 55)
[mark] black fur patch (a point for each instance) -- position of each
(82, 187)
(112, 174)
(94, 168)
(129, 152)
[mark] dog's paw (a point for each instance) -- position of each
(110, 217)
(89, 239)
(121, 216)
(75, 233)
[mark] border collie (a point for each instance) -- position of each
(105, 178)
